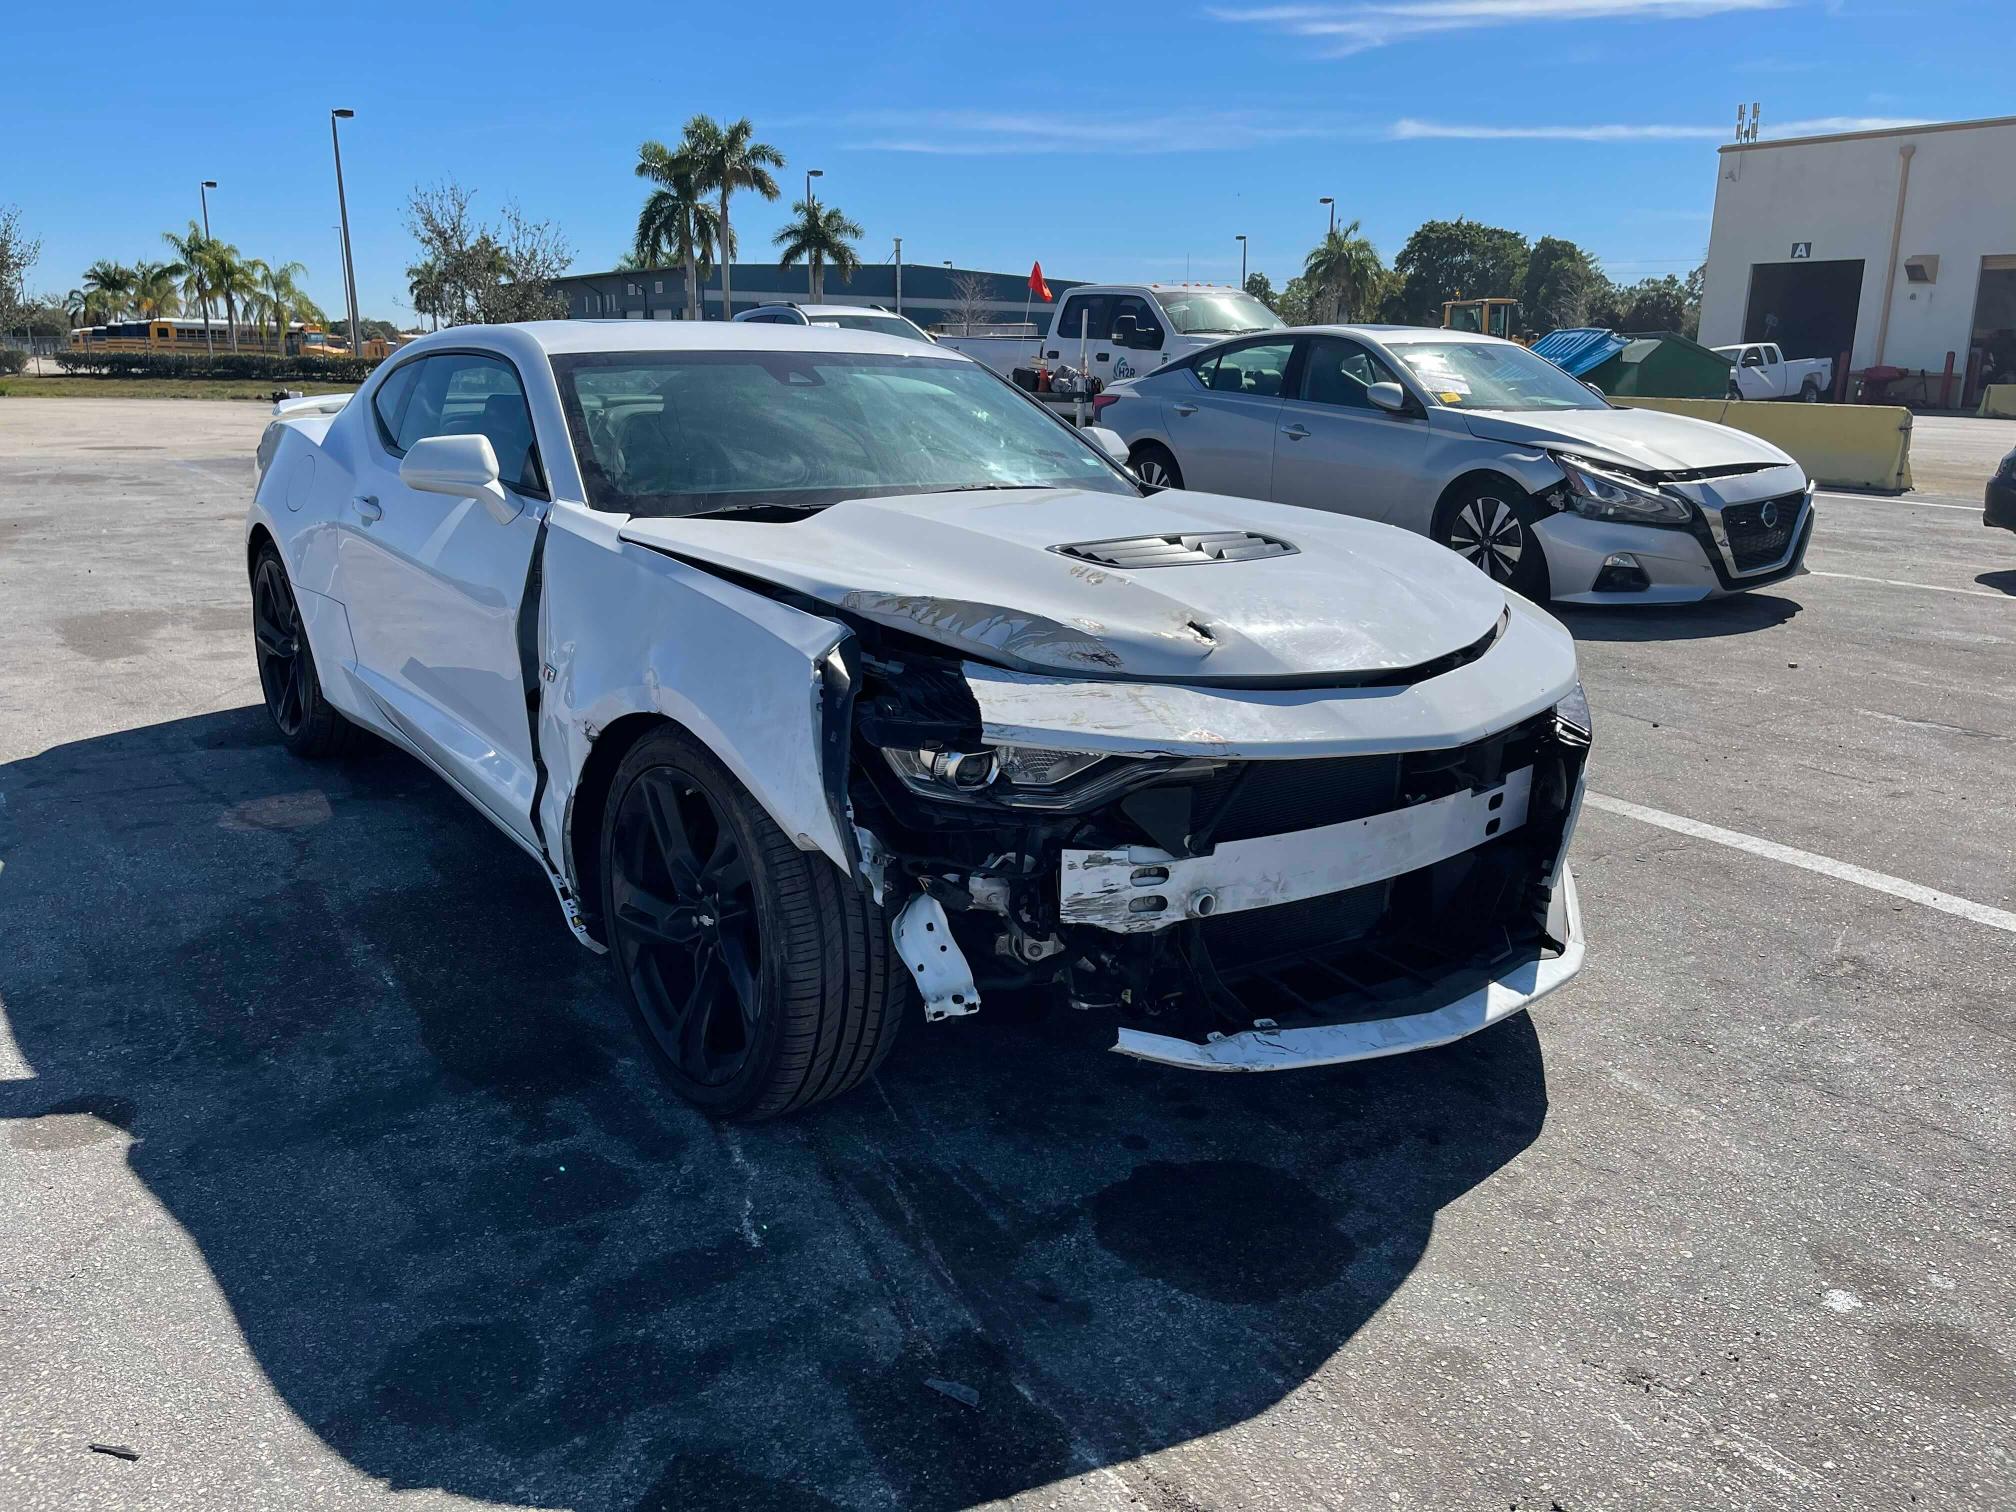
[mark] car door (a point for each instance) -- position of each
(433, 584)
(1752, 380)
(1334, 449)
(1222, 431)
(1137, 337)
(1085, 320)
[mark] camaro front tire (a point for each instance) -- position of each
(757, 975)
(308, 724)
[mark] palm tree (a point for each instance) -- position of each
(1347, 268)
(675, 221)
(81, 307)
(723, 159)
(154, 291)
(236, 280)
(194, 266)
(112, 283)
(819, 236)
(280, 298)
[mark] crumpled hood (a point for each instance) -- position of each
(977, 573)
(1641, 438)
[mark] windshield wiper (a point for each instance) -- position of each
(989, 487)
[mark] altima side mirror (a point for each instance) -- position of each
(1108, 441)
(463, 466)
(1388, 396)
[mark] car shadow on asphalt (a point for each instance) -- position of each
(472, 1246)
(2002, 581)
(1739, 614)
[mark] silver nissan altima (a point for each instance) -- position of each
(1482, 446)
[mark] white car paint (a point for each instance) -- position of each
(1760, 370)
(499, 638)
(1086, 324)
(1401, 467)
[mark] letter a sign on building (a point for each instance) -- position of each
(1801, 249)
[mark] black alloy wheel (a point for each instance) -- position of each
(686, 924)
(276, 635)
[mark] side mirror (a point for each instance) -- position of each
(1388, 396)
(462, 466)
(1108, 441)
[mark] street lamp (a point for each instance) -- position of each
(203, 193)
(1327, 200)
(343, 215)
(811, 288)
(811, 174)
(1242, 260)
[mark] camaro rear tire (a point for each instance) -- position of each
(1490, 525)
(1154, 466)
(308, 724)
(758, 977)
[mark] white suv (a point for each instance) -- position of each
(870, 318)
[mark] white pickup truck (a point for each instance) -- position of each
(1125, 330)
(1761, 371)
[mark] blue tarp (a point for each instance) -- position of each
(1580, 348)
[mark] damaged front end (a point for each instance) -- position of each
(1231, 912)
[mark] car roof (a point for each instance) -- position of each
(556, 338)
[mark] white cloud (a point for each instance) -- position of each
(1411, 130)
(963, 133)
(1354, 28)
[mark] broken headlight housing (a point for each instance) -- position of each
(1007, 774)
(1605, 493)
(1573, 711)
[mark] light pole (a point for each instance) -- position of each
(1327, 200)
(203, 193)
(1242, 260)
(343, 215)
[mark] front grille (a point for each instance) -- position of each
(1276, 797)
(1178, 550)
(1753, 543)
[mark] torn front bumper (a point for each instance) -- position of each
(1422, 1025)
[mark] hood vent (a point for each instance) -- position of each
(1178, 550)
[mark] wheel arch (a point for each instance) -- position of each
(257, 539)
(1472, 478)
(589, 802)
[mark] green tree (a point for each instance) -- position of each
(723, 159)
(1297, 302)
(1262, 289)
(1562, 288)
(1651, 304)
(470, 271)
(154, 291)
(18, 253)
(676, 222)
(820, 235)
(195, 266)
(1456, 259)
(281, 299)
(1346, 268)
(113, 284)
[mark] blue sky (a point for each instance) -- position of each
(1132, 143)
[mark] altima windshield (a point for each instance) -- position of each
(682, 433)
(1491, 375)
(1230, 313)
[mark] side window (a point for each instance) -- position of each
(1079, 309)
(1753, 356)
(1256, 370)
(390, 402)
(1773, 356)
(1147, 330)
(1339, 372)
(462, 394)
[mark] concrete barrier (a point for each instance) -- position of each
(1999, 401)
(1845, 445)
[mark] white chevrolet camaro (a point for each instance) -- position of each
(825, 675)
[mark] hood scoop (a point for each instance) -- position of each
(1183, 550)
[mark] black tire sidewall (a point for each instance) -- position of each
(1153, 451)
(313, 736)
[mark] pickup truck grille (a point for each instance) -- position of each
(1760, 532)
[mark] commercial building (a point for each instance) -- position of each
(1897, 247)
(931, 292)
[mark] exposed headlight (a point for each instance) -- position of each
(1603, 494)
(1574, 710)
(1001, 769)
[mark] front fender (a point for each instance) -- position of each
(628, 630)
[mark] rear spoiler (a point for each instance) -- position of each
(300, 409)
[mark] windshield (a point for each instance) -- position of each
(682, 433)
(1492, 375)
(881, 325)
(1217, 313)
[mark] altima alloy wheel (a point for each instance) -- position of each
(686, 924)
(1487, 531)
(1152, 473)
(276, 633)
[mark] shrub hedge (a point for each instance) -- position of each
(222, 365)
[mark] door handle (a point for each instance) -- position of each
(1294, 432)
(1186, 409)
(1101, 356)
(369, 507)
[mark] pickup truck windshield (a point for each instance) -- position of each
(881, 325)
(1491, 375)
(1216, 314)
(685, 433)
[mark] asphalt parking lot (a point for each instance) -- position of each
(328, 1170)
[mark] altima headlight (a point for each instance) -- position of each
(1573, 711)
(1604, 494)
(996, 770)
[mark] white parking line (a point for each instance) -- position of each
(1892, 503)
(1826, 866)
(1856, 577)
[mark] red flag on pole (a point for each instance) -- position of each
(1036, 285)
